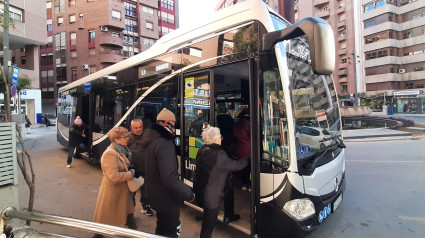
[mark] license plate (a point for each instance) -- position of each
(337, 202)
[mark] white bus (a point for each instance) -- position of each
(244, 56)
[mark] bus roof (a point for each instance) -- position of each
(221, 20)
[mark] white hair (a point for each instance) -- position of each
(209, 134)
(136, 120)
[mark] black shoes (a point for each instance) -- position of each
(130, 222)
(147, 210)
(233, 217)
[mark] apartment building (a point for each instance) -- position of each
(394, 47)
(25, 38)
(283, 7)
(85, 36)
(343, 16)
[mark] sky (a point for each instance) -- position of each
(190, 10)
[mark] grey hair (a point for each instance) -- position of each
(136, 120)
(209, 134)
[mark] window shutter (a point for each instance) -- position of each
(8, 163)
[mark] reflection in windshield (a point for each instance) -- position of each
(315, 108)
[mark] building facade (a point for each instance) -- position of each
(341, 15)
(283, 7)
(25, 38)
(394, 47)
(85, 36)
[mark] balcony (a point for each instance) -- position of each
(341, 23)
(322, 13)
(342, 51)
(109, 40)
(110, 56)
(341, 37)
(342, 66)
(342, 72)
(340, 10)
(320, 2)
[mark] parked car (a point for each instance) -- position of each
(51, 120)
(313, 137)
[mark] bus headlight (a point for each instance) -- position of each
(300, 209)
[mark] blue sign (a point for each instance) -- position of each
(13, 90)
(87, 87)
(302, 150)
(307, 150)
(15, 75)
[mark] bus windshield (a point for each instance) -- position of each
(314, 101)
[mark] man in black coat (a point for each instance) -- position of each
(213, 166)
(77, 135)
(138, 161)
(165, 190)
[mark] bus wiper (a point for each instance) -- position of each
(337, 139)
(312, 164)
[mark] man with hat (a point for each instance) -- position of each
(165, 191)
(77, 133)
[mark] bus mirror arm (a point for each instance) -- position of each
(320, 39)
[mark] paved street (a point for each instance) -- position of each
(384, 196)
(73, 192)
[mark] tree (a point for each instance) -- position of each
(5, 83)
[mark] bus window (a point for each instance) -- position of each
(275, 128)
(164, 96)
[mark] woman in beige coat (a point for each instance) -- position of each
(114, 205)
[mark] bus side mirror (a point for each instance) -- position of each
(320, 39)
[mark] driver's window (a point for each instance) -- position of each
(275, 127)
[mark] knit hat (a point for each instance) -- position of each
(166, 115)
(78, 121)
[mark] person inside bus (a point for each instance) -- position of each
(165, 190)
(77, 139)
(213, 167)
(242, 132)
(114, 205)
(138, 162)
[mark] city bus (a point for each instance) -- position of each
(244, 56)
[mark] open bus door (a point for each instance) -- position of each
(206, 97)
(85, 110)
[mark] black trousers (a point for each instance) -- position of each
(208, 222)
(168, 223)
(229, 200)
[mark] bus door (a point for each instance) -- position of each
(85, 112)
(197, 115)
(215, 98)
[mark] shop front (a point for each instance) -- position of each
(30, 101)
(409, 102)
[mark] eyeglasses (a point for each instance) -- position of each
(125, 137)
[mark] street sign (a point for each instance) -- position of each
(15, 75)
(13, 90)
(351, 97)
(87, 87)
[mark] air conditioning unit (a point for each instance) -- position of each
(103, 28)
(85, 66)
(401, 71)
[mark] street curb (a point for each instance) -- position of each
(375, 136)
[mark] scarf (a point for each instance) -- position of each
(123, 150)
(167, 126)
